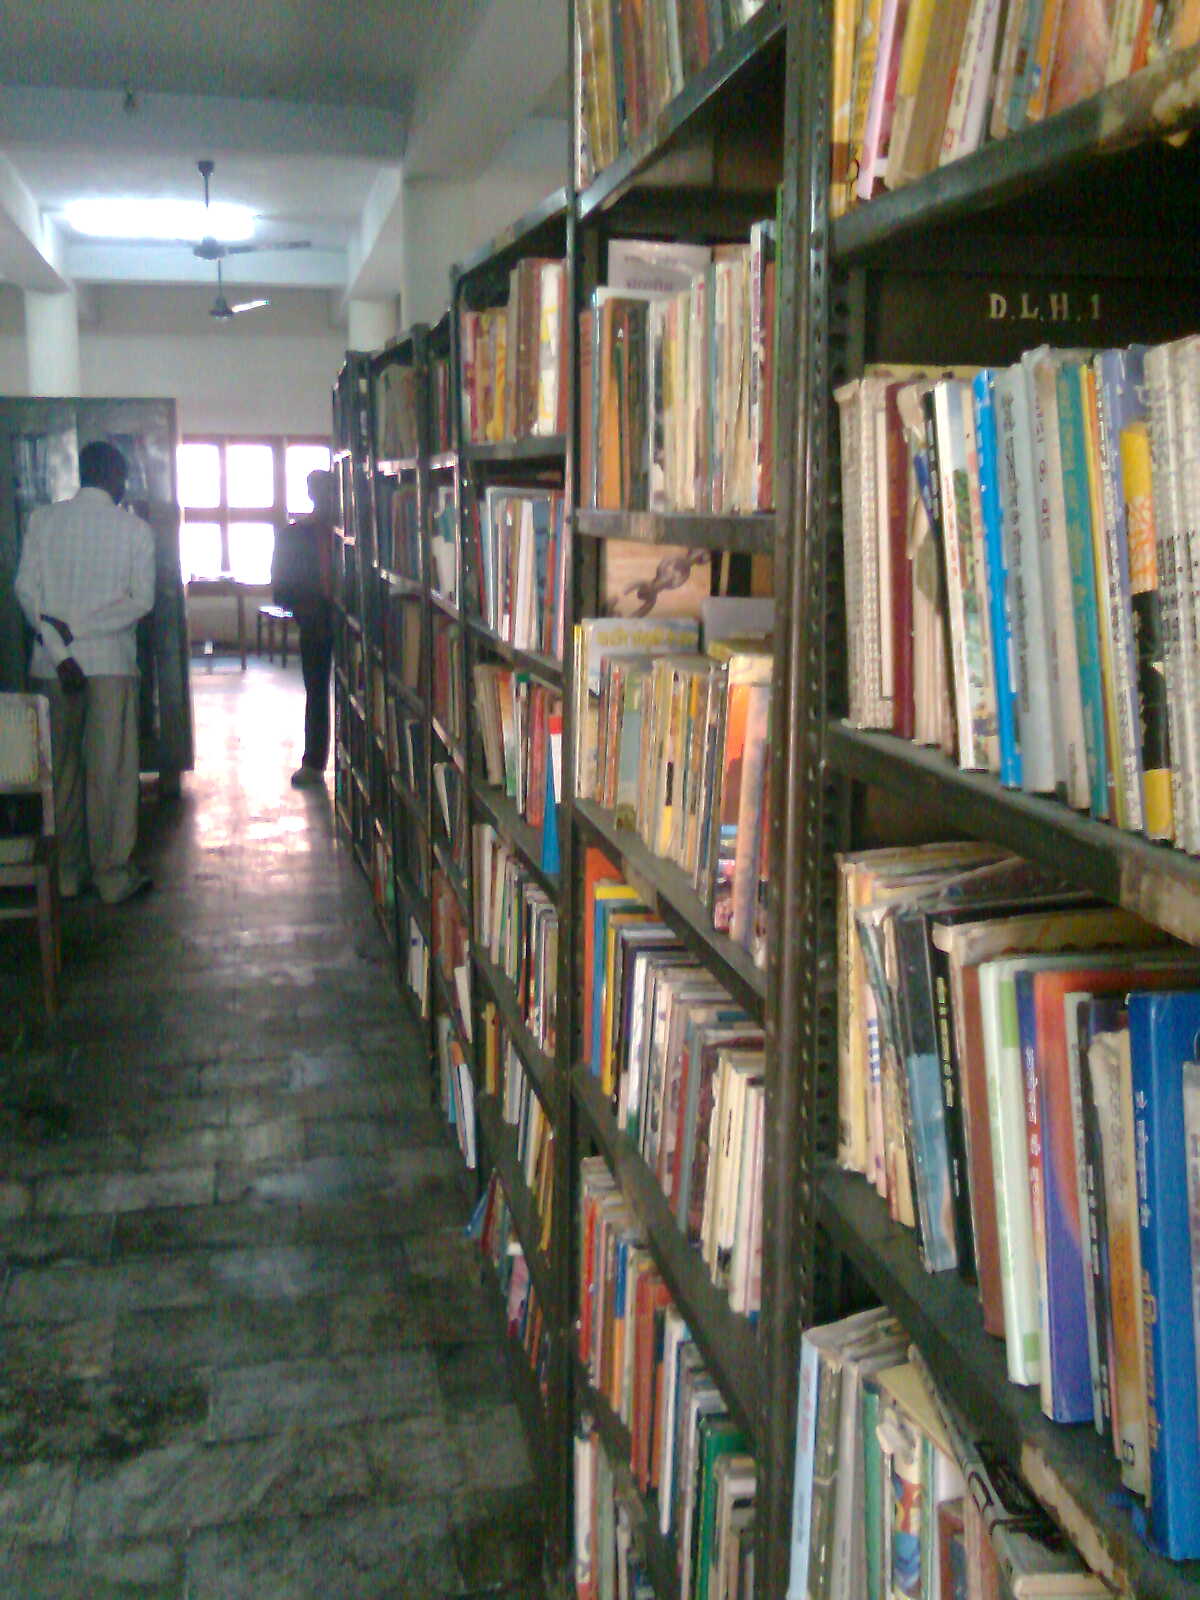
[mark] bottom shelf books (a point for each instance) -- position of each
(416, 966)
(892, 1496)
(1031, 1104)
(688, 1458)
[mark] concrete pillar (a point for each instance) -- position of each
(52, 343)
(372, 323)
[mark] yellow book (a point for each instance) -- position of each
(1136, 484)
(917, 27)
(866, 53)
(845, 15)
(1091, 422)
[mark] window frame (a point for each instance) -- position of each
(222, 514)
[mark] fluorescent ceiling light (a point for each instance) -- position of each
(160, 219)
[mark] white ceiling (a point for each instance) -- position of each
(312, 110)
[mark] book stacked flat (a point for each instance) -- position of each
(917, 85)
(677, 384)
(1019, 573)
(1016, 1080)
(682, 1065)
(512, 358)
(638, 1355)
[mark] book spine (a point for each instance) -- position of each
(1146, 617)
(997, 575)
(953, 1119)
(926, 1123)
(1191, 1124)
(1014, 1220)
(1028, 1047)
(1163, 1031)
(1165, 488)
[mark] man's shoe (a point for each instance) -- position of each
(139, 883)
(306, 777)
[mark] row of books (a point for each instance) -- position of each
(452, 951)
(519, 552)
(634, 60)
(638, 1354)
(516, 923)
(523, 1111)
(411, 851)
(406, 747)
(397, 427)
(447, 678)
(893, 1495)
(450, 792)
(415, 965)
(512, 358)
(520, 728)
(682, 1065)
(1059, 649)
(499, 1244)
(441, 420)
(399, 532)
(677, 745)
(607, 1558)
(677, 385)
(1031, 1105)
(915, 86)
(456, 1090)
(403, 638)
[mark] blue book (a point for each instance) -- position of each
(997, 571)
(1163, 1031)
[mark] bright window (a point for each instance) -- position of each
(234, 494)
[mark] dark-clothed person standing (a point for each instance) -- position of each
(85, 578)
(302, 580)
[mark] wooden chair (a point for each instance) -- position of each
(28, 847)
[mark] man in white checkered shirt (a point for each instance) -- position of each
(86, 576)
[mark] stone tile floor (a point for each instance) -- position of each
(245, 1351)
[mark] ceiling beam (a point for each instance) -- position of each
(105, 119)
(29, 254)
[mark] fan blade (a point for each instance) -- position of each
(249, 305)
(249, 249)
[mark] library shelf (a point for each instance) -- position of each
(726, 1340)
(749, 534)
(452, 747)
(739, 58)
(1156, 881)
(454, 875)
(445, 605)
(1161, 100)
(399, 584)
(398, 467)
(351, 621)
(501, 452)
(412, 803)
(503, 814)
(657, 1551)
(501, 1140)
(1070, 1468)
(356, 705)
(415, 902)
(678, 903)
(448, 1003)
(407, 697)
(547, 668)
(521, 237)
(530, 1402)
(500, 990)
(444, 461)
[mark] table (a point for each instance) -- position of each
(272, 615)
(219, 589)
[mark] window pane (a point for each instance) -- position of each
(251, 545)
(299, 460)
(199, 476)
(200, 549)
(250, 475)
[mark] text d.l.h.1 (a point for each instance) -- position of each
(1044, 306)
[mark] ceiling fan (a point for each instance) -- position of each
(212, 249)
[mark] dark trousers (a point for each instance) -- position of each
(316, 664)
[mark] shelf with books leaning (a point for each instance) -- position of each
(701, 106)
(451, 746)
(1157, 881)
(444, 461)
(752, 533)
(1071, 1469)
(657, 1550)
(547, 668)
(445, 605)
(1121, 124)
(678, 903)
(398, 467)
(398, 582)
(728, 1341)
(412, 803)
(500, 991)
(501, 1140)
(502, 811)
(535, 448)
